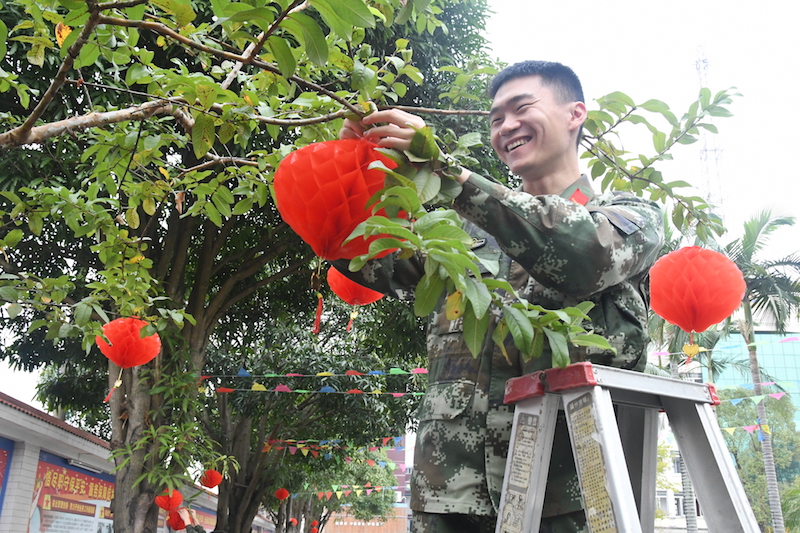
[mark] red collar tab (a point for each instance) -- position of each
(579, 197)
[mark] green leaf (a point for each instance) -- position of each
(353, 12)
(478, 295)
(261, 16)
(427, 294)
(3, 38)
(331, 17)
(202, 135)
(423, 144)
(362, 75)
(520, 327)
(475, 328)
(206, 94)
(8, 293)
(428, 183)
(283, 55)
(83, 313)
(592, 340)
(311, 35)
(558, 347)
(13, 237)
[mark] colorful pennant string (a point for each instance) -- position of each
(242, 373)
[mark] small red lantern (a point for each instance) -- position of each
(313, 530)
(281, 493)
(293, 521)
(695, 288)
(169, 500)
(322, 191)
(175, 521)
(350, 291)
(211, 478)
(314, 523)
(128, 348)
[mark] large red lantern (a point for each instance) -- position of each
(128, 348)
(695, 288)
(322, 191)
(281, 493)
(169, 500)
(210, 478)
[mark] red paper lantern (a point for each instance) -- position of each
(350, 291)
(293, 521)
(169, 500)
(314, 523)
(127, 347)
(175, 521)
(281, 493)
(322, 192)
(314, 530)
(695, 288)
(211, 478)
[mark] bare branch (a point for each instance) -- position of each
(91, 120)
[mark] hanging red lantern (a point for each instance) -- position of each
(170, 500)
(293, 522)
(351, 292)
(322, 191)
(281, 493)
(211, 478)
(314, 523)
(175, 521)
(128, 348)
(695, 288)
(313, 530)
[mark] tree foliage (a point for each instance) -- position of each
(139, 146)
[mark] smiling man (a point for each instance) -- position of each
(557, 243)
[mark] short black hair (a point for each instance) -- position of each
(564, 82)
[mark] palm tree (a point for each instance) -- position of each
(773, 294)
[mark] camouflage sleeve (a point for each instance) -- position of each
(565, 246)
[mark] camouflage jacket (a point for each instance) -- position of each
(555, 252)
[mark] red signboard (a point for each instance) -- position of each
(69, 501)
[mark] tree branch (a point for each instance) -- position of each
(20, 135)
(91, 120)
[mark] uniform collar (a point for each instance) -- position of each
(580, 191)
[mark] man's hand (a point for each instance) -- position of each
(391, 128)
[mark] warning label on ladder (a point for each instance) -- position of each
(592, 469)
(520, 473)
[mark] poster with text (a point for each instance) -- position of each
(70, 500)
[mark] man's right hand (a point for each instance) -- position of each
(391, 128)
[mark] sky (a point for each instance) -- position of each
(650, 50)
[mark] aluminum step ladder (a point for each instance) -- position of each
(612, 416)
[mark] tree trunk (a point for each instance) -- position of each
(773, 494)
(133, 507)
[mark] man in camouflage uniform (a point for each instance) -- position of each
(557, 243)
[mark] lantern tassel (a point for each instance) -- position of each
(318, 317)
(353, 315)
(117, 384)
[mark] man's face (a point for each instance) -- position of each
(530, 129)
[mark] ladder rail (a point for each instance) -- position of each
(610, 450)
(720, 492)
